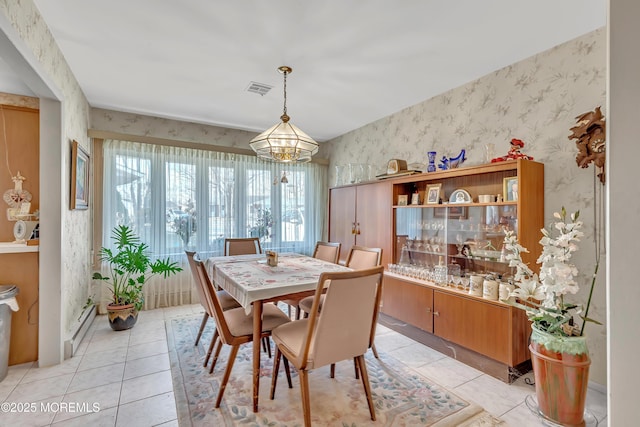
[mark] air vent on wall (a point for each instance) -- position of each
(259, 88)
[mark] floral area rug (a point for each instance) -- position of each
(401, 397)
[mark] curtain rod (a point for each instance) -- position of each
(94, 133)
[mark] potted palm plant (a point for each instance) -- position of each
(129, 268)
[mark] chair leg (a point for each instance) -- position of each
(202, 325)
(375, 352)
(298, 312)
(287, 371)
(227, 373)
(215, 356)
(274, 373)
(266, 346)
(304, 391)
(355, 367)
(213, 342)
(365, 382)
(333, 371)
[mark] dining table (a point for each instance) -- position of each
(253, 282)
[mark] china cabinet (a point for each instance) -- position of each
(453, 234)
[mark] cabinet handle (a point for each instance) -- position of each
(353, 228)
(358, 228)
(436, 313)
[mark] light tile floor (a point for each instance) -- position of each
(124, 379)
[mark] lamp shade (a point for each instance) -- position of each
(284, 142)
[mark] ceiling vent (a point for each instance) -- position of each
(259, 88)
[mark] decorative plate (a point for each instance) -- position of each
(460, 196)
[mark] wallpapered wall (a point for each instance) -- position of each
(136, 124)
(535, 100)
(76, 268)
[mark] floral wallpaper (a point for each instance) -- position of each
(535, 100)
(76, 242)
(136, 124)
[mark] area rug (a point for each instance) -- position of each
(401, 396)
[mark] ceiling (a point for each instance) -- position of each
(354, 61)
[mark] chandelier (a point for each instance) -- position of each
(284, 142)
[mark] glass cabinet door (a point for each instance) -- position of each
(465, 239)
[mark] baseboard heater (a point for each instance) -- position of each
(82, 326)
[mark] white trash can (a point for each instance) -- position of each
(8, 303)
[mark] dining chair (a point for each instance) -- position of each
(360, 257)
(326, 251)
(242, 246)
(339, 332)
(235, 327)
(226, 301)
(245, 246)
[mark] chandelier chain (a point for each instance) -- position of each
(285, 93)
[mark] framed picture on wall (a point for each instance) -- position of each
(79, 177)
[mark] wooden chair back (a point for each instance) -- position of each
(327, 251)
(342, 329)
(214, 303)
(191, 257)
(242, 246)
(361, 257)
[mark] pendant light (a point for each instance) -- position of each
(284, 142)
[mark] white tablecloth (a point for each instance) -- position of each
(248, 278)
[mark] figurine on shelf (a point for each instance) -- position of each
(444, 163)
(514, 152)
(16, 196)
(452, 162)
(590, 133)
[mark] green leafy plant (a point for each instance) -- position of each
(130, 267)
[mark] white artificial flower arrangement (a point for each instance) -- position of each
(542, 296)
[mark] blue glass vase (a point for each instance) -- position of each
(432, 161)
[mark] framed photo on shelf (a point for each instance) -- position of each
(403, 199)
(510, 189)
(433, 194)
(415, 199)
(79, 177)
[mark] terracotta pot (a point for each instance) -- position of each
(122, 317)
(561, 370)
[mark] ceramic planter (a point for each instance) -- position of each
(122, 317)
(561, 370)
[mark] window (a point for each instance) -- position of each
(178, 198)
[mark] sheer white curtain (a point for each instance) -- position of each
(181, 198)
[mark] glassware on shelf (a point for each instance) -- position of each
(405, 258)
(440, 272)
(459, 243)
(454, 269)
(489, 152)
